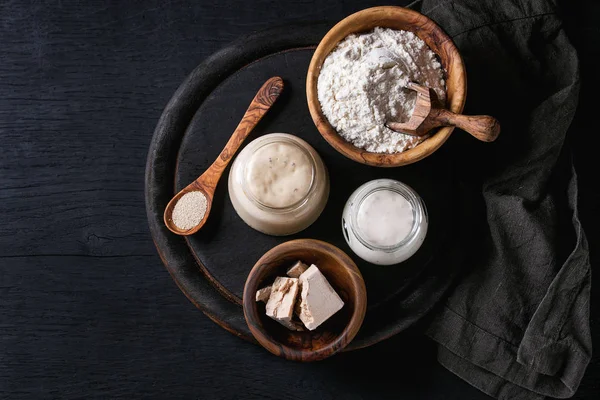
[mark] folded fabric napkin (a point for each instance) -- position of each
(516, 325)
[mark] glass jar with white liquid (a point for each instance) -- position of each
(384, 222)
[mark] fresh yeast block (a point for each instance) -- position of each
(280, 305)
(318, 300)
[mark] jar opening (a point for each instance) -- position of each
(386, 215)
(279, 175)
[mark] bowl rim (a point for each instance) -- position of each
(425, 148)
(342, 339)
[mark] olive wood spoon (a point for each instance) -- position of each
(426, 117)
(207, 182)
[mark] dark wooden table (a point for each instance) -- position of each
(86, 307)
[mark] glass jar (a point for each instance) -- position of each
(384, 222)
(278, 184)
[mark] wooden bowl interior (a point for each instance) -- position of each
(333, 334)
(401, 19)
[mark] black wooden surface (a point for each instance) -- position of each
(86, 307)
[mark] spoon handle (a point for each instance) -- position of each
(262, 102)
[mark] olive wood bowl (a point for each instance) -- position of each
(331, 336)
(402, 19)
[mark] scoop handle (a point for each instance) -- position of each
(483, 127)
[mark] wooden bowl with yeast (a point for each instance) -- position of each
(398, 18)
(332, 335)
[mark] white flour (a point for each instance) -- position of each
(362, 85)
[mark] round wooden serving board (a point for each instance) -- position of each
(211, 266)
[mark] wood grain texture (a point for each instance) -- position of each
(208, 181)
(87, 309)
(421, 110)
(428, 114)
(482, 127)
(335, 333)
(395, 18)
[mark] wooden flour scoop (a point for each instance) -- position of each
(426, 116)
